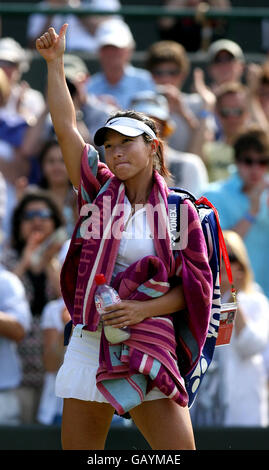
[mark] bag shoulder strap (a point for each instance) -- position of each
(176, 196)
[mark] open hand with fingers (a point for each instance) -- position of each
(125, 313)
(52, 45)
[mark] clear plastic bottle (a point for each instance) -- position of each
(105, 296)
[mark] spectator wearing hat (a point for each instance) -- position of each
(236, 104)
(188, 170)
(169, 65)
(23, 99)
(233, 116)
(119, 80)
(81, 31)
(225, 62)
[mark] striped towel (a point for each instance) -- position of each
(148, 359)
(88, 256)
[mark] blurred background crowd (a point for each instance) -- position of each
(213, 115)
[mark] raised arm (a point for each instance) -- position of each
(51, 46)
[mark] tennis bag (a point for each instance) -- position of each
(216, 251)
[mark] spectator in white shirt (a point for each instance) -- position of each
(53, 320)
(118, 81)
(82, 29)
(239, 393)
(15, 321)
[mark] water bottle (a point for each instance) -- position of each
(105, 296)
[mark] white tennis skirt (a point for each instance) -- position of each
(76, 377)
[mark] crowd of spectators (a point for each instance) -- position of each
(216, 144)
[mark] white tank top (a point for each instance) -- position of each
(137, 239)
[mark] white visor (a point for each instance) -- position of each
(126, 126)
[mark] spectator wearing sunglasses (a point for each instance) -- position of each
(35, 218)
(233, 116)
(169, 66)
(242, 200)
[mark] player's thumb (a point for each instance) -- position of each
(62, 31)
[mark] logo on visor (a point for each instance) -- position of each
(112, 122)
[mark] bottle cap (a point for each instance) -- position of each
(100, 279)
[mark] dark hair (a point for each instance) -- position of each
(35, 195)
(52, 142)
(159, 163)
(254, 138)
(43, 183)
(167, 51)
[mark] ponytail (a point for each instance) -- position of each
(159, 161)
